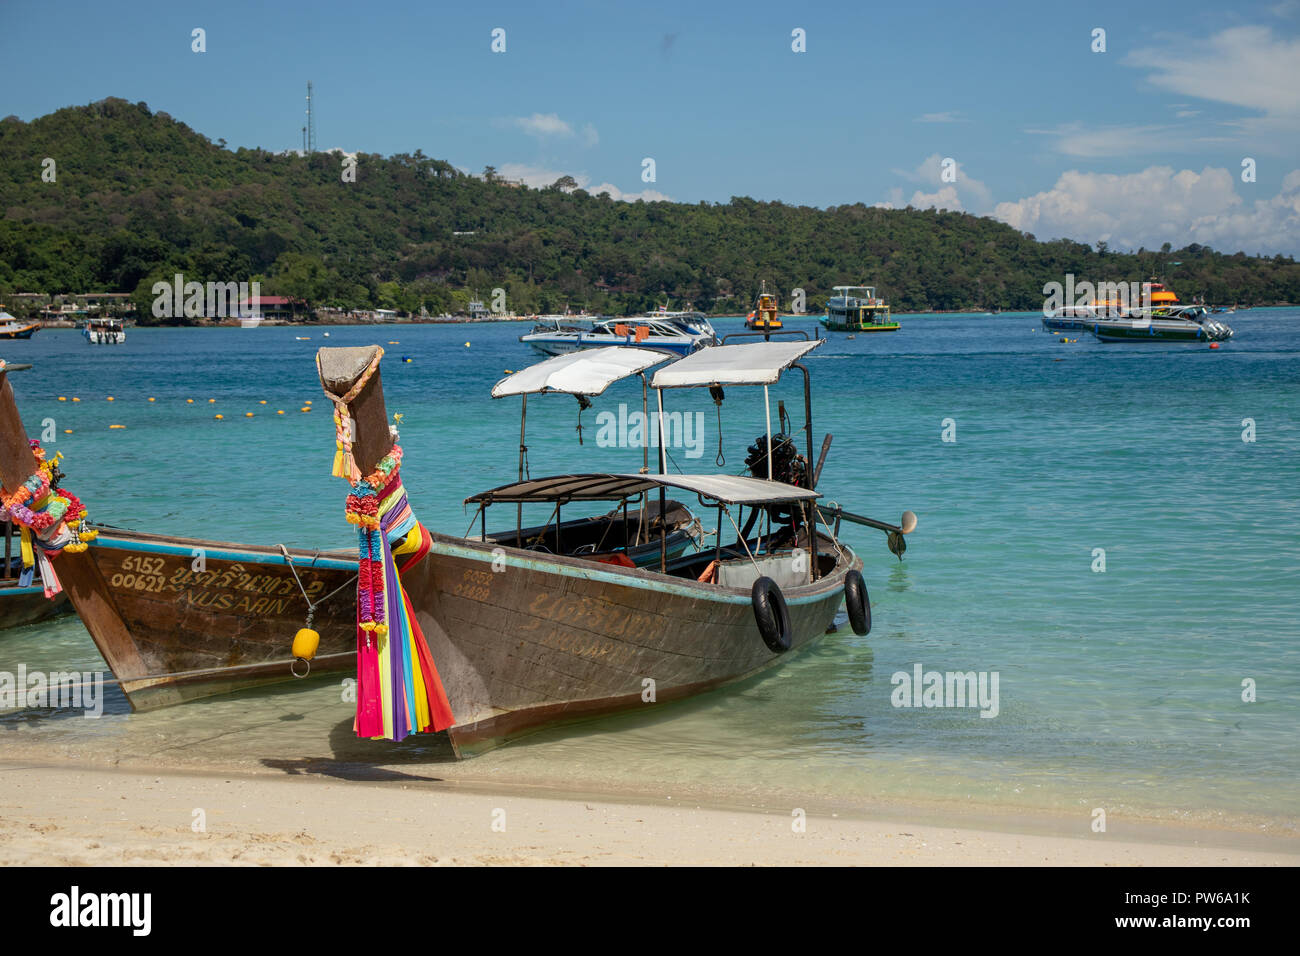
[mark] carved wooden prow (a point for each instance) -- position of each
(339, 370)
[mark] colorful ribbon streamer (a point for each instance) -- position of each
(399, 691)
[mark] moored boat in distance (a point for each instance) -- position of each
(1159, 317)
(857, 313)
(765, 317)
(677, 332)
(1188, 325)
(11, 328)
(104, 332)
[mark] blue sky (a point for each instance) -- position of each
(1137, 145)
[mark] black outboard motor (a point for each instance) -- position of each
(788, 466)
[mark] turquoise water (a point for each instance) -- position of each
(1119, 689)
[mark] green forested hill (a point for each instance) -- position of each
(140, 196)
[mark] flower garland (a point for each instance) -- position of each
(363, 511)
(50, 518)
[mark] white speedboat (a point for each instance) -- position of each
(104, 332)
(680, 333)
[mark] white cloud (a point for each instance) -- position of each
(539, 176)
(966, 194)
(1245, 66)
(543, 124)
(1159, 205)
(1073, 139)
(648, 195)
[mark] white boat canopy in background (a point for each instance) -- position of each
(588, 372)
(728, 489)
(756, 363)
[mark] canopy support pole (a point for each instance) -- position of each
(523, 450)
(663, 504)
(807, 420)
(645, 417)
(767, 407)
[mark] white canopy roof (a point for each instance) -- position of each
(729, 489)
(587, 372)
(754, 363)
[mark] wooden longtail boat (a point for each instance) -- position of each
(524, 638)
(180, 618)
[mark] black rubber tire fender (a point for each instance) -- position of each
(858, 603)
(771, 615)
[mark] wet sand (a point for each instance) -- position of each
(70, 815)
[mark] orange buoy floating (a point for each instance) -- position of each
(75, 399)
(116, 426)
(63, 398)
(151, 398)
(67, 431)
(279, 411)
(189, 401)
(262, 402)
(1214, 345)
(218, 416)
(248, 414)
(211, 400)
(109, 399)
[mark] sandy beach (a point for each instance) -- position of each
(73, 816)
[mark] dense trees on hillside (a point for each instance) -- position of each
(138, 196)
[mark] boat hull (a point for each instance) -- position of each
(865, 327)
(172, 628)
(545, 639)
(563, 345)
(1068, 324)
(27, 605)
(1156, 331)
(24, 333)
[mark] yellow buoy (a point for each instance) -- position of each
(280, 411)
(211, 401)
(110, 398)
(116, 426)
(305, 643)
(151, 399)
(75, 399)
(218, 417)
(63, 398)
(189, 401)
(307, 402)
(248, 414)
(305, 408)
(67, 431)
(394, 343)
(466, 345)
(262, 402)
